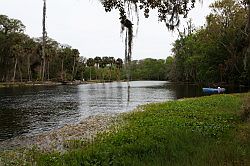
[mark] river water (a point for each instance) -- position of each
(37, 109)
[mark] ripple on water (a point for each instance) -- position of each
(34, 110)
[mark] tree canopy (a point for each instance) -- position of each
(214, 53)
(169, 11)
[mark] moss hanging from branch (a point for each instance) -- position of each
(127, 26)
(169, 11)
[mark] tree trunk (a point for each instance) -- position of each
(44, 38)
(82, 75)
(247, 29)
(28, 67)
(40, 71)
(76, 68)
(103, 75)
(116, 73)
(90, 73)
(246, 57)
(96, 74)
(73, 70)
(20, 72)
(110, 74)
(48, 71)
(62, 72)
(14, 75)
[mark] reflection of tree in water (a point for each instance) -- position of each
(128, 95)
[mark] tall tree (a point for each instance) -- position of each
(75, 56)
(247, 52)
(44, 39)
(11, 33)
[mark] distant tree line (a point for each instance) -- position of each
(103, 68)
(21, 58)
(109, 69)
(216, 52)
(148, 69)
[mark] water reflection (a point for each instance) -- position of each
(32, 110)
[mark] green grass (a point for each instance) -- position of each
(198, 131)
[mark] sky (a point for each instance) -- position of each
(84, 25)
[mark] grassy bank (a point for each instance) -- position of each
(212, 130)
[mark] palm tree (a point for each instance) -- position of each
(90, 64)
(105, 61)
(97, 60)
(111, 63)
(118, 65)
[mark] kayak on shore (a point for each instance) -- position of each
(214, 90)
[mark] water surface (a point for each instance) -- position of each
(37, 109)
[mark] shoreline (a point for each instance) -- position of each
(47, 83)
(60, 139)
(78, 82)
(194, 125)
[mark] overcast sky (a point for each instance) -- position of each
(84, 25)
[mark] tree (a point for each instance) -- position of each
(214, 53)
(75, 56)
(50, 52)
(44, 39)
(29, 49)
(105, 62)
(111, 61)
(118, 65)
(168, 12)
(90, 64)
(98, 61)
(247, 48)
(8, 25)
(82, 65)
(11, 33)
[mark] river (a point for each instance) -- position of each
(33, 110)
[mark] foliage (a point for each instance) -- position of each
(214, 53)
(197, 131)
(22, 58)
(19, 52)
(168, 11)
(148, 69)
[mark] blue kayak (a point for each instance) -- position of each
(213, 90)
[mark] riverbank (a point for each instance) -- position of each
(45, 83)
(211, 130)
